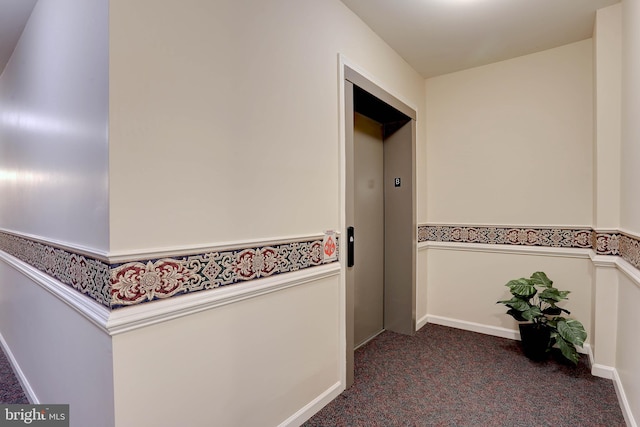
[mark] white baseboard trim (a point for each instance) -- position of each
(314, 406)
(602, 371)
(26, 387)
(586, 349)
(143, 315)
(622, 399)
(495, 331)
(422, 321)
(473, 327)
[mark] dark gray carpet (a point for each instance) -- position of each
(450, 377)
(10, 389)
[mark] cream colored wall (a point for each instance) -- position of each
(628, 346)
(224, 127)
(607, 70)
(253, 363)
(465, 284)
(605, 308)
(627, 361)
(607, 96)
(224, 117)
(508, 143)
(630, 149)
(422, 286)
(511, 142)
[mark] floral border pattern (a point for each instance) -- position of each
(603, 243)
(86, 275)
(630, 250)
(523, 236)
(142, 281)
(126, 284)
(607, 243)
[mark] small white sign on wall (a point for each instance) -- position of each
(329, 246)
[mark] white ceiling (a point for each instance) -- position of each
(441, 36)
(434, 36)
(13, 17)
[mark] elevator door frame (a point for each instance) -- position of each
(408, 325)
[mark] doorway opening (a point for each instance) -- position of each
(380, 213)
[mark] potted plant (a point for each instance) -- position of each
(534, 301)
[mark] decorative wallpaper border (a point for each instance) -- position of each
(607, 243)
(116, 285)
(147, 280)
(86, 275)
(125, 284)
(630, 249)
(602, 243)
(498, 235)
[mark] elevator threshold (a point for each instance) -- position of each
(369, 339)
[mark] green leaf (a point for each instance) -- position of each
(522, 288)
(572, 331)
(532, 313)
(553, 322)
(552, 295)
(568, 350)
(541, 279)
(517, 304)
(513, 299)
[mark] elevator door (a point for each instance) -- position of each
(369, 229)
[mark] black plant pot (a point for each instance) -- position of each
(535, 341)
